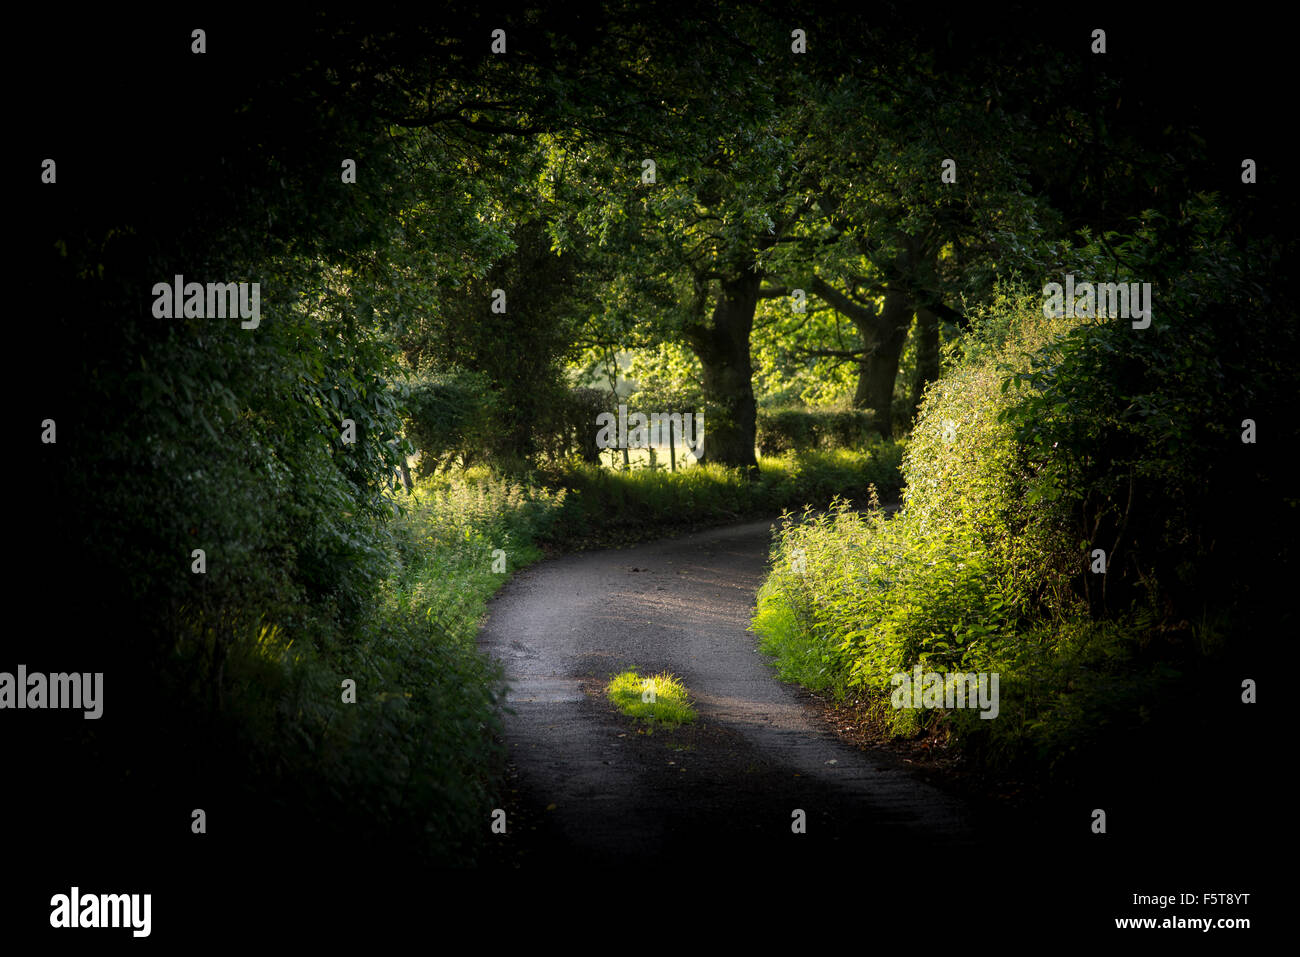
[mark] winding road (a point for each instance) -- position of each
(588, 787)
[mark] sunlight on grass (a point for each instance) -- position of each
(658, 699)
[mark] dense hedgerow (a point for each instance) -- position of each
(415, 762)
(782, 430)
(950, 581)
(1049, 438)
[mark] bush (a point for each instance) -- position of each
(800, 430)
(1047, 438)
(410, 766)
(568, 426)
(448, 417)
(458, 417)
(1137, 436)
(952, 581)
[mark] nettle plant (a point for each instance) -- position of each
(950, 581)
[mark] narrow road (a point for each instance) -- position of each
(590, 788)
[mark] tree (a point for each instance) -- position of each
(921, 199)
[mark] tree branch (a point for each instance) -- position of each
(842, 303)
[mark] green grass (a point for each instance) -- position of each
(605, 506)
(656, 699)
(641, 459)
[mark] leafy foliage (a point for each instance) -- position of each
(448, 417)
(1139, 432)
(984, 569)
(788, 430)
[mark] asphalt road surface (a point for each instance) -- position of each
(588, 787)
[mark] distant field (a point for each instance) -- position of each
(641, 458)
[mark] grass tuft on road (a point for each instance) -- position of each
(656, 699)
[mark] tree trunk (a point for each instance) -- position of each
(927, 354)
(879, 368)
(883, 335)
(722, 347)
